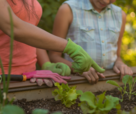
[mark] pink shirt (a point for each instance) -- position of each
(24, 56)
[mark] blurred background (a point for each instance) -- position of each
(128, 48)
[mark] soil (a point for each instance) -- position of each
(53, 105)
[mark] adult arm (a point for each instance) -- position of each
(62, 22)
(119, 66)
(28, 33)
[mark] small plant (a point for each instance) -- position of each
(66, 94)
(101, 104)
(127, 80)
(3, 93)
(12, 109)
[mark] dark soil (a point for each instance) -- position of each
(53, 105)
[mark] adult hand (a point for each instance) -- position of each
(59, 68)
(92, 75)
(45, 76)
(122, 69)
(82, 61)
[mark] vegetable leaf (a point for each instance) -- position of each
(113, 83)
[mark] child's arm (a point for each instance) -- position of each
(61, 24)
(119, 66)
(45, 64)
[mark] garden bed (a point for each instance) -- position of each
(53, 105)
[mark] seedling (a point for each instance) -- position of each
(101, 104)
(3, 93)
(66, 94)
(127, 80)
(12, 109)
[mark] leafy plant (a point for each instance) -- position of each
(127, 80)
(101, 104)
(3, 93)
(66, 94)
(12, 109)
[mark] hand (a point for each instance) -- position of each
(59, 68)
(92, 76)
(82, 61)
(45, 76)
(121, 68)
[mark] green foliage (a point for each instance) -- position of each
(41, 111)
(3, 94)
(101, 104)
(128, 49)
(66, 94)
(50, 8)
(126, 80)
(13, 109)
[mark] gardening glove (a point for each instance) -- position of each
(59, 68)
(41, 76)
(82, 61)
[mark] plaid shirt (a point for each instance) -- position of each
(97, 33)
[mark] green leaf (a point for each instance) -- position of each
(110, 103)
(89, 98)
(40, 111)
(66, 94)
(125, 79)
(120, 89)
(100, 100)
(79, 92)
(85, 108)
(134, 80)
(12, 109)
(112, 83)
(71, 95)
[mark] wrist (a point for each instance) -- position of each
(45, 65)
(119, 59)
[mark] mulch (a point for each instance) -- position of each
(53, 105)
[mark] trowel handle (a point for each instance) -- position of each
(16, 77)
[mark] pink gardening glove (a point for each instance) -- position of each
(45, 76)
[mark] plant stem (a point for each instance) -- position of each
(11, 49)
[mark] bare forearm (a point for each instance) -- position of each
(42, 56)
(28, 33)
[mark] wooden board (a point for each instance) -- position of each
(75, 79)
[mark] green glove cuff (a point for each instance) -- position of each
(70, 47)
(45, 65)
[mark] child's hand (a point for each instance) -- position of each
(60, 68)
(82, 61)
(121, 68)
(92, 76)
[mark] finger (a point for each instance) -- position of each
(126, 71)
(92, 78)
(94, 74)
(100, 75)
(116, 70)
(33, 80)
(88, 78)
(48, 82)
(129, 71)
(39, 82)
(97, 67)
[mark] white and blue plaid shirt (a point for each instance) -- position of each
(97, 33)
